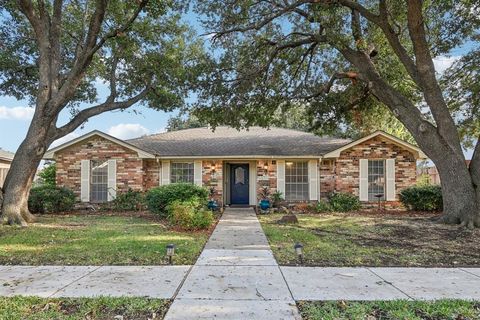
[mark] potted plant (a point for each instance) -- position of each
(277, 198)
(212, 203)
(264, 203)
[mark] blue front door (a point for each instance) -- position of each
(239, 183)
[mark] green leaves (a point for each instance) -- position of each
(157, 49)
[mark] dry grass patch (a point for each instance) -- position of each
(366, 239)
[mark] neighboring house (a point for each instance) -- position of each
(6, 159)
(304, 167)
(432, 173)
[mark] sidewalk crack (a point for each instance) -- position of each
(69, 284)
(391, 284)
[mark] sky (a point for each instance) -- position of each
(15, 115)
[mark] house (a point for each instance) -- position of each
(6, 159)
(237, 164)
(432, 173)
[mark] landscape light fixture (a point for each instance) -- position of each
(170, 252)
(299, 251)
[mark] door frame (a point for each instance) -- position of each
(252, 167)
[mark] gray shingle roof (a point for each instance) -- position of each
(6, 155)
(225, 141)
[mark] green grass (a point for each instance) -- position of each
(14, 308)
(390, 310)
(97, 240)
(362, 240)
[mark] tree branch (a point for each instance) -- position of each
(260, 24)
(85, 114)
(90, 48)
(428, 82)
(325, 89)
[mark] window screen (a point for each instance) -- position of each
(181, 172)
(296, 180)
(98, 181)
(376, 179)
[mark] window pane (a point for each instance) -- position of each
(376, 179)
(181, 172)
(98, 181)
(296, 181)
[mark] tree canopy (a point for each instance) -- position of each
(57, 54)
(348, 61)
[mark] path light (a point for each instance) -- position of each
(170, 252)
(299, 251)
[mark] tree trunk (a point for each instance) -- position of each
(460, 201)
(18, 182)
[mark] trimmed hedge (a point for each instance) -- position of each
(158, 199)
(422, 198)
(50, 199)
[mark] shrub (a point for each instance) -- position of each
(157, 199)
(131, 200)
(323, 206)
(189, 215)
(422, 198)
(50, 199)
(48, 175)
(344, 202)
(277, 198)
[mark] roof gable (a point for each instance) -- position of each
(141, 153)
(414, 149)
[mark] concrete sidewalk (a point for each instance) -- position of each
(90, 281)
(305, 283)
(236, 276)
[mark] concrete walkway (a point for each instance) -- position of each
(236, 276)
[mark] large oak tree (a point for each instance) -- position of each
(55, 53)
(342, 57)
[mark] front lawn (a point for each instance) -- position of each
(82, 308)
(400, 309)
(97, 240)
(361, 239)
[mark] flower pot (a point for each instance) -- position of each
(212, 205)
(264, 204)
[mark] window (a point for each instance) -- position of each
(376, 179)
(296, 180)
(181, 172)
(98, 181)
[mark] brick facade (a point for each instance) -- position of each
(130, 169)
(212, 177)
(151, 173)
(266, 177)
(340, 174)
(347, 166)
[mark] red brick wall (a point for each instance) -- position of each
(151, 174)
(212, 176)
(327, 178)
(129, 166)
(266, 178)
(347, 165)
